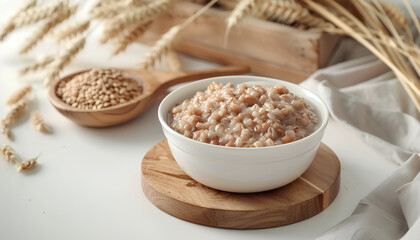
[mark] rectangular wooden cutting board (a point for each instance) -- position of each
(270, 49)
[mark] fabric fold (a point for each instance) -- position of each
(379, 215)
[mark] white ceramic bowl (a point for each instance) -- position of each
(236, 169)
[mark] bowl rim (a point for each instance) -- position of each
(322, 108)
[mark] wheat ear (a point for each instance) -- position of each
(40, 33)
(10, 26)
(72, 30)
(165, 42)
(9, 154)
(36, 14)
(139, 15)
(5, 130)
(75, 45)
(39, 123)
(27, 164)
(172, 61)
(108, 9)
(39, 64)
(160, 48)
(243, 8)
(284, 11)
(14, 114)
(129, 36)
(18, 95)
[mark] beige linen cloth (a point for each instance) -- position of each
(363, 94)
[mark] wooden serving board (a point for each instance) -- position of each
(175, 193)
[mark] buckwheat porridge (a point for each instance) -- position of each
(244, 116)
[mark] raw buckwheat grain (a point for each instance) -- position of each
(98, 88)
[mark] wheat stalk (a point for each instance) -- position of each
(27, 164)
(9, 154)
(36, 14)
(39, 64)
(18, 95)
(172, 61)
(72, 30)
(139, 15)
(395, 13)
(10, 26)
(75, 45)
(129, 36)
(39, 123)
(39, 34)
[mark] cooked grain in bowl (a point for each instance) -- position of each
(244, 116)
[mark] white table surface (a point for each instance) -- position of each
(88, 185)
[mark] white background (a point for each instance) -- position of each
(88, 183)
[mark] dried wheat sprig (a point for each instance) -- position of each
(36, 14)
(160, 48)
(243, 8)
(172, 61)
(71, 30)
(395, 13)
(40, 33)
(139, 15)
(27, 164)
(9, 154)
(18, 95)
(75, 45)
(10, 26)
(393, 27)
(284, 11)
(5, 130)
(291, 11)
(39, 123)
(129, 36)
(14, 114)
(165, 42)
(389, 58)
(110, 10)
(39, 64)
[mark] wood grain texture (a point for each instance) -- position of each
(155, 83)
(271, 49)
(175, 193)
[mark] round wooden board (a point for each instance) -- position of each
(175, 193)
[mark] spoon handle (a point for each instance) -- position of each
(215, 72)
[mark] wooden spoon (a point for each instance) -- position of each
(154, 83)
